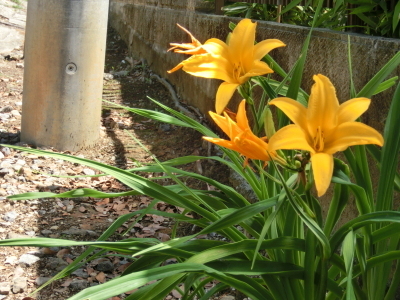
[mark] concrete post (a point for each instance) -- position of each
(63, 77)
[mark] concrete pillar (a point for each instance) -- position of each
(65, 47)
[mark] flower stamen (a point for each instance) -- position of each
(238, 71)
(319, 140)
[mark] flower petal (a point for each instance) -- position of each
(258, 68)
(245, 147)
(262, 48)
(190, 50)
(221, 122)
(350, 110)
(254, 149)
(350, 134)
(216, 47)
(207, 66)
(290, 137)
(221, 142)
(176, 68)
(295, 111)
(322, 105)
(242, 39)
(233, 128)
(322, 166)
(224, 94)
(227, 125)
(195, 42)
(241, 117)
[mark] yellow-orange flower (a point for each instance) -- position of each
(242, 139)
(234, 63)
(195, 47)
(324, 128)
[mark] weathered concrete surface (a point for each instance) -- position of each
(148, 26)
(61, 105)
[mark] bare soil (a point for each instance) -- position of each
(85, 218)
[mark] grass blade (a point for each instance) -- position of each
(369, 89)
(389, 158)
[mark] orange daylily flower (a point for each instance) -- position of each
(234, 63)
(324, 128)
(195, 47)
(241, 137)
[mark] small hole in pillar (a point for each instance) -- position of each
(71, 69)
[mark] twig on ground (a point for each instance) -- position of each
(176, 100)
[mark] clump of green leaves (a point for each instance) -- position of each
(380, 17)
(255, 11)
(375, 17)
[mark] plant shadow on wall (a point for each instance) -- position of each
(280, 246)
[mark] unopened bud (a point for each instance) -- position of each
(269, 125)
(297, 164)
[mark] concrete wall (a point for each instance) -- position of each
(148, 26)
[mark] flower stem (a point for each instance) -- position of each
(323, 279)
(246, 92)
(256, 129)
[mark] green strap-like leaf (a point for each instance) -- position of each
(135, 280)
(386, 84)
(138, 279)
(261, 267)
(390, 155)
(339, 200)
(395, 283)
(235, 197)
(361, 197)
(361, 221)
(295, 201)
(385, 232)
(378, 260)
(222, 251)
(396, 16)
(151, 114)
(376, 153)
(291, 5)
(369, 89)
(240, 215)
(140, 184)
(187, 120)
(309, 265)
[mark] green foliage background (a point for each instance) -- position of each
(375, 17)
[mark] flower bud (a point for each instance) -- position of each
(269, 125)
(297, 164)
